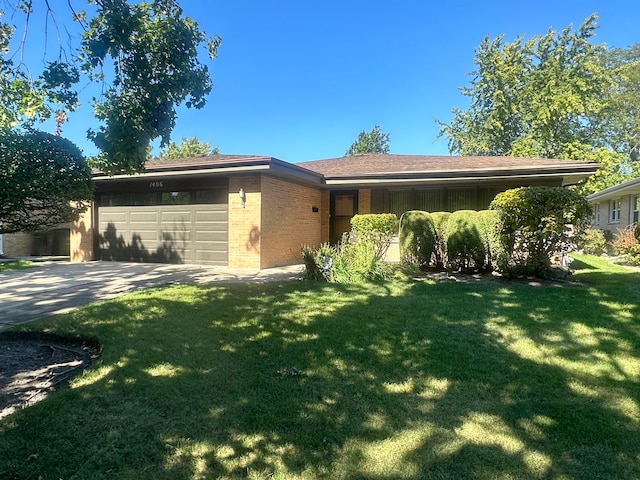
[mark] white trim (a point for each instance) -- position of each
(176, 173)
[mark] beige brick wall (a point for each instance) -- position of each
(245, 235)
(324, 216)
(626, 212)
(289, 221)
(81, 237)
(17, 244)
(364, 201)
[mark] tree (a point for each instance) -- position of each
(537, 98)
(154, 53)
(622, 112)
(534, 224)
(373, 142)
(189, 147)
(147, 58)
(44, 181)
(24, 100)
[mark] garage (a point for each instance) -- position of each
(176, 226)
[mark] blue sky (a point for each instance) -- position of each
(298, 80)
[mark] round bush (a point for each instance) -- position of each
(465, 246)
(417, 238)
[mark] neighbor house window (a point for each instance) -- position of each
(614, 211)
(636, 208)
(596, 214)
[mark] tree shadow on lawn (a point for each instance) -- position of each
(425, 380)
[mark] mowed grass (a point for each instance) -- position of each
(412, 379)
(11, 265)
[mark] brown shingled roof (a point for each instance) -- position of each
(375, 165)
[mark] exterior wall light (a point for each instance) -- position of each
(243, 197)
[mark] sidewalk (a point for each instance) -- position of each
(57, 287)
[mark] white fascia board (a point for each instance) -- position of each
(427, 180)
(631, 187)
(178, 173)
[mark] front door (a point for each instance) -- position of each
(343, 208)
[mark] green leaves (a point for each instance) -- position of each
(189, 147)
(534, 224)
(373, 142)
(154, 54)
(534, 98)
(44, 180)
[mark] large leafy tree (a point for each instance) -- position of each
(622, 112)
(374, 141)
(188, 147)
(44, 181)
(146, 56)
(153, 50)
(541, 97)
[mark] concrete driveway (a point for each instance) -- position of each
(57, 287)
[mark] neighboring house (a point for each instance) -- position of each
(257, 212)
(617, 207)
(52, 242)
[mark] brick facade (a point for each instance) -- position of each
(245, 235)
(603, 218)
(17, 244)
(277, 219)
(324, 216)
(291, 217)
(82, 237)
(364, 201)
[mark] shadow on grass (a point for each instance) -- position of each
(422, 380)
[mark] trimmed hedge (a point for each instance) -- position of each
(489, 224)
(417, 238)
(376, 228)
(534, 225)
(465, 243)
(440, 221)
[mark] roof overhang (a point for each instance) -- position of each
(631, 187)
(239, 166)
(564, 176)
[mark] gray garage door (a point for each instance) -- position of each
(196, 233)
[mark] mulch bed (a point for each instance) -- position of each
(34, 364)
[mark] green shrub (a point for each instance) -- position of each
(534, 225)
(377, 229)
(592, 241)
(465, 246)
(417, 238)
(632, 257)
(624, 240)
(440, 221)
(357, 262)
(318, 262)
(351, 261)
(489, 221)
(636, 231)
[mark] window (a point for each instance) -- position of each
(614, 211)
(596, 214)
(176, 198)
(636, 208)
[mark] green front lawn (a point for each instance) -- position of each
(412, 379)
(10, 265)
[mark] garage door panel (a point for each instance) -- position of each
(176, 217)
(165, 233)
(212, 216)
(203, 237)
(113, 217)
(143, 217)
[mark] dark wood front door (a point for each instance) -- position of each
(343, 208)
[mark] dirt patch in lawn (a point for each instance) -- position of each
(34, 364)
